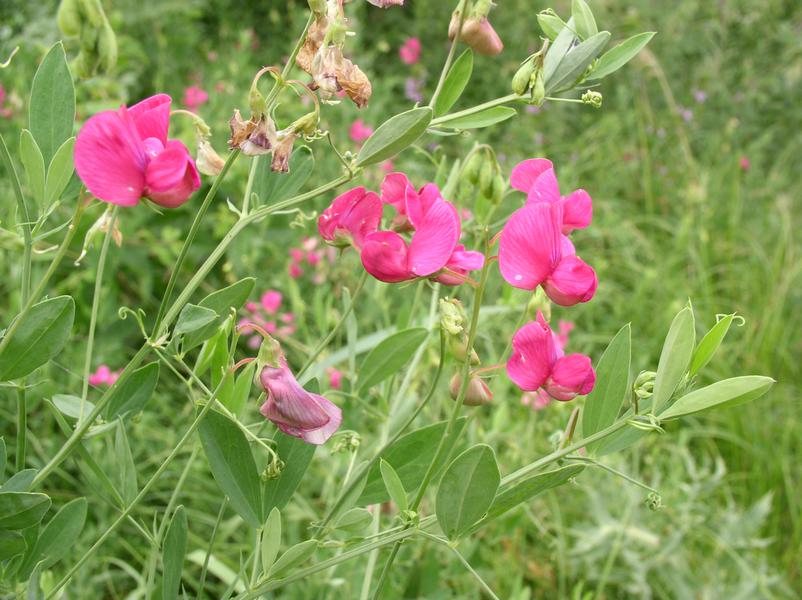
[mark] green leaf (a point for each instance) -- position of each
(297, 455)
(11, 544)
(20, 510)
(237, 399)
(131, 395)
(557, 51)
(612, 384)
(675, 358)
(40, 336)
(52, 108)
(390, 355)
(354, 520)
(617, 57)
(575, 61)
(583, 18)
(221, 302)
(467, 490)
(3, 458)
(271, 186)
(271, 540)
(192, 318)
(126, 468)
(232, 465)
(57, 538)
(70, 406)
(173, 553)
(394, 135)
(410, 456)
(458, 76)
(525, 490)
(551, 24)
(34, 164)
(393, 484)
(484, 118)
(20, 481)
(730, 392)
(59, 172)
(709, 344)
(295, 555)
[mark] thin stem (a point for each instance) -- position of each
(451, 52)
(464, 562)
(145, 489)
(257, 546)
(193, 231)
(25, 223)
(90, 342)
(476, 109)
(212, 539)
(22, 428)
(279, 85)
(616, 472)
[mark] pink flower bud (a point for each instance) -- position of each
(476, 394)
(479, 34)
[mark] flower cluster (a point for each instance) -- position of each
(265, 315)
(433, 250)
(104, 376)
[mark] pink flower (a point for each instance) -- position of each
(359, 131)
(533, 252)
(194, 97)
(537, 400)
(103, 376)
(5, 111)
(335, 378)
(478, 33)
(295, 271)
(298, 413)
(271, 301)
(124, 155)
(535, 177)
(410, 51)
(744, 163)
(537, 362)
(387, 166)
(350, 218)
(564, 329)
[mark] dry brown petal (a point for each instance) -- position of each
(282, 152)
(355, 83)
(312, 42)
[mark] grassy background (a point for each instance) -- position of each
(676, 217)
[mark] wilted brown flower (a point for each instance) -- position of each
(253, 137)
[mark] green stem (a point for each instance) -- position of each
(450, 57)
(145, 489)
(90, 342)
(22, 428)
(257, 546)
(616, 472)
(212, 539)
(25, 223)
(477, 109)
(464, 562)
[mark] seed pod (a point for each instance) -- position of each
(473, 168)
(486, 176)
(107, 48)
(521, 79)
(69, 18)
(93, 12)
(499, 187)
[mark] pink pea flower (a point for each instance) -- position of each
(409, 203)
(194, 97)
(387, 166)
(564, 328)
(296, 412)
(537, 362)
(536, 178)
(335, 378)
(744, 163)
(271, 301)
(295, 270)
(410, 51)
(124, 155)
(360, 131)
(103, 376)
(5, 111)
(533, 252)
(350, 218)
(478, 33)
(537, 400)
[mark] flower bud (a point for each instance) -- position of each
(476, 394)
(107, 48)
(486, 175)
(499, 187)
(644, 384)
(538, 87)
(539, 302)
(550, 23)
(208, 161)
(452, 316)
(458, 346)
(592, 98)
(479, 34)
(69, 18)
(521, 79)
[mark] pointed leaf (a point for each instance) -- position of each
(394, 135)
(354, 520)
(126, 468)
(389, 356)
(296, 455)
(173, 553)
(70, 406)
(575, 61)
(617, 57)
(52, 108)
(221, 302)
(2, 460)
(583, 18)
(709, 344)
(458, 76)
(393, 484)
(11, 544)
(20, 481)
(730, 392)
(271, 186)
(192, 318)
(31, 158)
(525, 490)
(271, 540)
(57, 538)
(20, 510)
(294, 556)
(675, 358)
(130, 397)
(557, 51)
(484, 118)
(59, 172)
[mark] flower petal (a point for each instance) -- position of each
(525, 173)
(533, 355)
(572, 376)
(419, 203)
(462, 261)
(529, 248)
(152, 117)
(110, 158)
(573, 281)
(384, 255)
(434, 239)
(577, 211)
(363, 217)
(171, 176)
(393, 191)
(288, 403)
(322, 434)
(544, 189)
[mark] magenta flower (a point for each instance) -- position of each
(271, 301)
(194, 97)
(350, 218)
(538, 362)
(537, 400)
(410, 51)
(103, 376)
(536, 178)
(298, 413)
(533, 252)
(360, 131)
(124, 155)
(5, 111)
(335, 378)
(744, 163)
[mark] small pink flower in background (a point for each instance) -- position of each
(124, 155)
(537, 400)
(686, 114)
(410, 51)
(5, 111)
(103, 376)
(564, 328)
(387, 166)
(335, 378)
(700, 96)
(296, 412)
(263, 314)
(295, 270)
(359, 131)
(538, 362)
(744, 163)
(271, 301)
(413, 89)
(194, 98)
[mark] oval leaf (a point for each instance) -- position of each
(730, 392)
(583, 18)
(393, 484)
(467, 490)
(484, 118)
(232, 465)
(20, 510)
(272, 186)
(458, 76)
(271, 540)
(52, 109)
(394, 135)
(297, 455)
(617, 57)
(57, 538)
(130, 397)
(173, 553)
(40, 336)
(295, 555)
(390, 355)
(34, 164)
(11, 544)
(60, 171)
(612, 383)
(709, 344)
(221, 302)
(354, 520)
(557, 51)
(126, 468)
(70, 406)
(192, 318)
(675, 358)
(575, 61)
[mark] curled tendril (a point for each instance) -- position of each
(646, 423)
(139, 316)
(7, 62)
